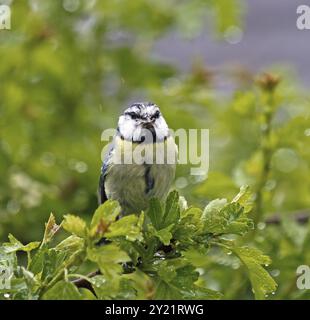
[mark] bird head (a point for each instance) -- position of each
(143, 121)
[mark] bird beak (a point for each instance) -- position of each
(150, 127)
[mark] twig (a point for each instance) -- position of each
(301, 217)
(84, 283)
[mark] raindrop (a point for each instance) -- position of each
(71, 5)
(233, 35)
(171, 86)
(81, 167)
(181, 183)
(275, 273)
(13, 207)
(6, 2)
(264, 127)
(48, 159)
(198, 178)
(260, 239)
(261, 225)
(285, 160)
(307, 132)
(270, 185)
(90, 4)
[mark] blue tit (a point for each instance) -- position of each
(134, 184)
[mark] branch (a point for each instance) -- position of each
(83, 283)
(301, 217)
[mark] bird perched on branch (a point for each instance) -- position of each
(143, 131)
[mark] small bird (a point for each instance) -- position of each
(134, 184)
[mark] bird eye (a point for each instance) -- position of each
(133, 115)
(156, 115)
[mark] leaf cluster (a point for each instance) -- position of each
(145, 256)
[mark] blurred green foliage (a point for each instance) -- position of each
(68, 68)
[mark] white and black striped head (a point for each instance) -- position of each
(140, 120)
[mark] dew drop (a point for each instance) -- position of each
(275, 273)
(233, 35)
(261, 225)
(307, 132)
(71, 5)
(181, 183)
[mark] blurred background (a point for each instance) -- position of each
(69, 67)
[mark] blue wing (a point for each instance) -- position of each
(102, 194)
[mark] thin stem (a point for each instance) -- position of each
(266, 131)
(60, 272)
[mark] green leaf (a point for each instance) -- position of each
(214, 218)
(155, 213)
(244, 198)
(164, 222)
(71, 245)
(129, 227)
(75, 225)
(237, 221)
(87, 294)
(19, 290)
(15, 245)
(103, 287)
(38, 260)
(164, 235)
(32, 282)
(221, 217)
(126, 290)
(52, 262)
(108, 258)
(48, 262)
(254, 260)
(62, 290)
(123, 289)
(107, 253)
(103, 217)
(108, 211)
(190, 225)
(214, 206)
(50, 229)
(197, 256)
(172, 210)
(202, 293)
(164, 291)
(171, 215)
(177, 280)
